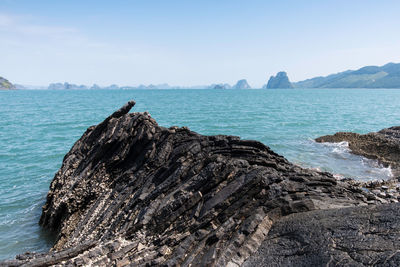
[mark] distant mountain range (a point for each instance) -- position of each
(71, 86)
(241, 84)
(386, 76)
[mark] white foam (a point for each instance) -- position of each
(337, 158)
(339, 148)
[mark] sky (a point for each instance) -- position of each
(192, 42)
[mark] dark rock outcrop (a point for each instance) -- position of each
(383, 146)
(356, 236)
(280, 81)
(132, 192)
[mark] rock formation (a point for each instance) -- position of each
(280, 81)
(6, 85)
(220, 86)
(66, 86)
(357, 236)
(241, 84)
(132, 192)
(383, 146)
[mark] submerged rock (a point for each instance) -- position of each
(383, 146)
(132, 192)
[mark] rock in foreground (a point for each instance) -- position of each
(383, 146)
(132, 192)
(339, 237)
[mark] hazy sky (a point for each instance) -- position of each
(192, 42)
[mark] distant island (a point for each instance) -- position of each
(280, 81)
(241, 84)
(6, 85)
(71, 86)
(386, 76)
(219, 86)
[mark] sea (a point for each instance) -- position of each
(38, 127)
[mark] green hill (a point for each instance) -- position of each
(5, 84)
(387, 76)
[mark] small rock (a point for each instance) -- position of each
(140, 247)
(382, 195)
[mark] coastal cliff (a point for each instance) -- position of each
(132, 192)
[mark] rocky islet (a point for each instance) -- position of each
(280, 81)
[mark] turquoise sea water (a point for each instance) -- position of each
(37, 128)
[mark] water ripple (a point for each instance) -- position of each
(37, 128)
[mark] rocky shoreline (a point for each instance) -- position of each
(383, 146)
(131, 192)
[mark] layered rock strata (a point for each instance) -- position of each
(131, 192)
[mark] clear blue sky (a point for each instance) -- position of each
(192, 42)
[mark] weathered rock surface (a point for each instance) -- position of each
(383, 146)
(357, 236)
(130, 192)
